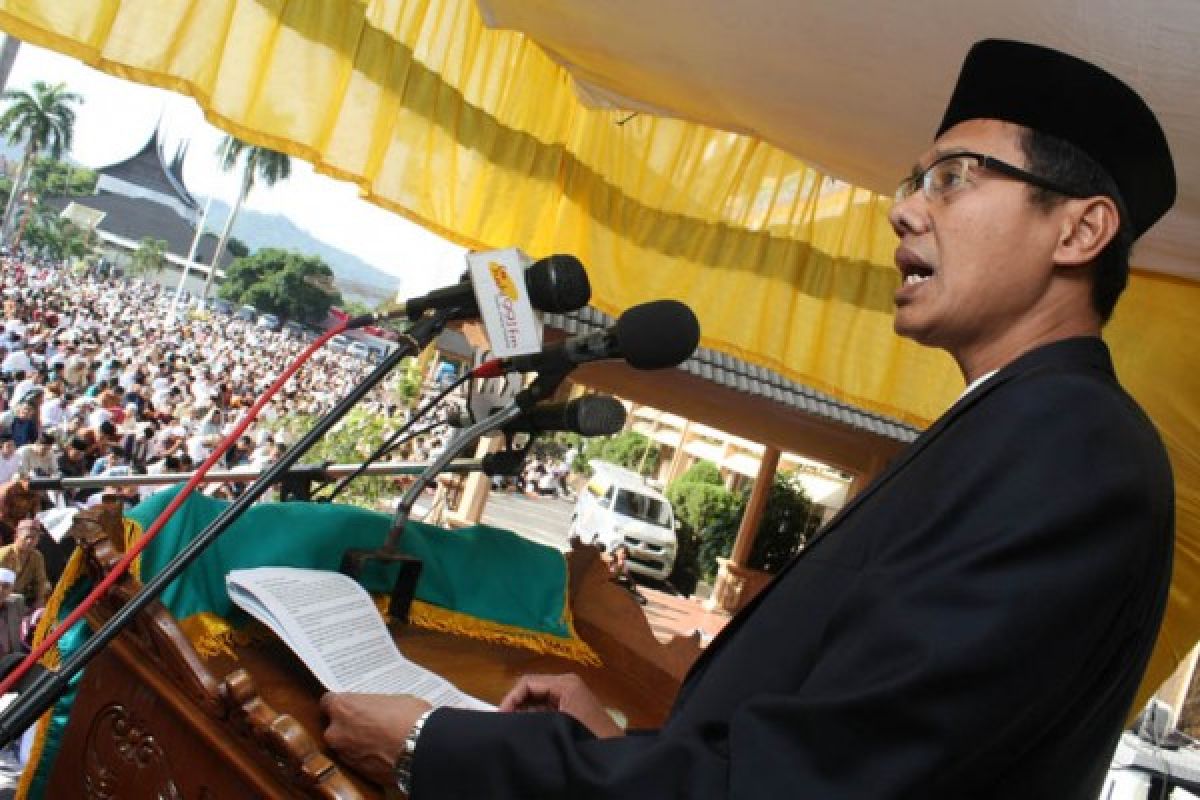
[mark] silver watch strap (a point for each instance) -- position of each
(403, 768)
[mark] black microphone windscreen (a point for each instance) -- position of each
(505, 462)
(558, 284)
(663, 333)
(597, 415)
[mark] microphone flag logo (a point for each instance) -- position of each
(498, 279)
(504, 283)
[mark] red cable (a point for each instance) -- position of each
(492, 368)
(123, 565)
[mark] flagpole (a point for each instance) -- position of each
(173, 312)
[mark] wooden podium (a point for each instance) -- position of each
(153, 719)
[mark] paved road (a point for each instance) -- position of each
(545, 520)
(542, 519)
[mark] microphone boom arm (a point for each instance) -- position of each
(456, 445)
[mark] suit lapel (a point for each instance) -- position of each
(894, 468)
(1083, 351)
(901, 461)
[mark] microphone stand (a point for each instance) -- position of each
(46, 690)
(355, 560)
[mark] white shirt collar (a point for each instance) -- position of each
(975, 383)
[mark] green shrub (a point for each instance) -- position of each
(780, 534)
(702, 472)
(696, 506)
(629, 449)
(350, 441)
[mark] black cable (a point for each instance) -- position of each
(340, 485)
(393, 440)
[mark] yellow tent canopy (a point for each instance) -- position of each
(671, 146)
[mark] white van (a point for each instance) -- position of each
(618, 507)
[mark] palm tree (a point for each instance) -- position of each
(49, 233)
(149, 258)
(45, 120)
(258, 164)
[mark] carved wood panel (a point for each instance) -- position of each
(123, 760)
(152, 721)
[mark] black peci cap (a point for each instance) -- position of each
(1080, 103)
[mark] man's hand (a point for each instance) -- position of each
(368, 730)
(565, 693)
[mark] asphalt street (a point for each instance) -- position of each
(542, 519)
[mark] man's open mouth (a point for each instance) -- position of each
(913, 269)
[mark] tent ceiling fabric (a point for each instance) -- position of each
(478, 135)
(856, 89)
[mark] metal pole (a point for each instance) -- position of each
(172, 315)
(247, 475)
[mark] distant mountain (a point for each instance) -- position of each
(356, 279)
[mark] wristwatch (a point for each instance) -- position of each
(402, 771)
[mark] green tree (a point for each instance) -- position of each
(782, 533)
(352, 440)
(355, 308)
(237, 248)
(259, 165)
(407, 382)
(290, 284)
(48, 233)
(698, 498)
(628, 449)
(51, 176)
(44, 120)
(149, 258)
(702, 472)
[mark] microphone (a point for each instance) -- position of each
(590, 415)
(662, 333)
(555, 284)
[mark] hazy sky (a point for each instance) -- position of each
(118, 117)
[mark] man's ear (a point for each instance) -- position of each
(1088, 225)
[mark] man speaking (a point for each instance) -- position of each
(976, 622)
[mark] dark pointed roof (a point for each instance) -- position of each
(176, 168)
(133, 218)
(149, 169)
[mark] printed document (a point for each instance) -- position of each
(332, 624)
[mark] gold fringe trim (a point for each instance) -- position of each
(133, 532)
(71, 574)
(209, 634)
(436, 618)
(51, 660)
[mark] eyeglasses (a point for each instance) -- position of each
(951, 171)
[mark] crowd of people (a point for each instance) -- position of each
(97, 379)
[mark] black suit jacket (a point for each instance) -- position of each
(973, 625)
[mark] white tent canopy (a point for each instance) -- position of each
(856, 89)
